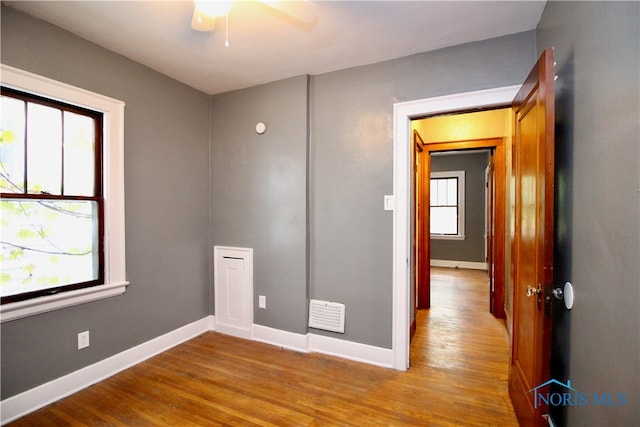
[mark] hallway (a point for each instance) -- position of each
(462, 351)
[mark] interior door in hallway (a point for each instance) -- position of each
(532, 257)
(422, 215)
(490, 199)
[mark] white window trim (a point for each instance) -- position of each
(461, 197)
(115, 282)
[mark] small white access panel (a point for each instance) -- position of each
(233, 290)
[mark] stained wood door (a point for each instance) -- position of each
(533, 166)
(423, 256)
(489, 227)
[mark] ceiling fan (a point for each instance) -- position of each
(205, 13)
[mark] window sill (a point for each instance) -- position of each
(20, 309)
(441, 237)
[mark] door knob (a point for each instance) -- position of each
(531, 291)
(565, 294)
(557, 293)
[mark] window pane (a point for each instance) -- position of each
(79, 164)
(452, 191)
(44, 149)
(444, 220)
(12, 145)
(47, 244)
(433, 194)
(442, 192)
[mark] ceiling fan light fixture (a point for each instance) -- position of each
(205, 14)
(212, 9)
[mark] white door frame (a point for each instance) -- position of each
(403, 113)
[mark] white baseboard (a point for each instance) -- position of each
(26, 402)
(312, 343)
(21, 404)
(280, 338)
(351, 350)
(232, 330)
(459, 264)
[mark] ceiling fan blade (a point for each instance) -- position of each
(302, 10)
(202, 22)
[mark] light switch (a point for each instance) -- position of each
(389, 202)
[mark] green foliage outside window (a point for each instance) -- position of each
(46, 240)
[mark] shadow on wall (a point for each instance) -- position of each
(564, 142)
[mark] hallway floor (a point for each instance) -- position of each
(462, 351)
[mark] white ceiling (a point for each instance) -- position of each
(264, 47)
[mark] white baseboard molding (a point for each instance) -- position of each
(459, 264)
(364, 353)
(326, 345)
(31, 400)
(280, 338)
(234, 331)
(21, 404)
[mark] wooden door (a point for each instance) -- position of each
(423, 256)
(533, 166)
(489, 233)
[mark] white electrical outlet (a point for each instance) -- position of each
(83, 340)
(262, 301)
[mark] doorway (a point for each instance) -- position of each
(457, 230)
(532, 225)
(403, 256)
(460, 179)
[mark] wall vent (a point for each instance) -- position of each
(326, 315)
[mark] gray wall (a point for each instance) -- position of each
(472, 248)
(351, 166)
(166, 180)
(259, 192)
(259, 196)
(597, 343)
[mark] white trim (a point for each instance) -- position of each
(350, 350)
(239, 324)
(232, 330)
(33, 306)
(459, 264)
(313, 343)
(31, 400)
(280, 338)
(403, 113)
(114, 238)
(42, 395)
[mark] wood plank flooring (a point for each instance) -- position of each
(458, 377)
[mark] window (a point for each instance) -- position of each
(62, 207)
(52, 204)
(447, 205)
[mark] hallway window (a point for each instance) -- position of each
(447, 205)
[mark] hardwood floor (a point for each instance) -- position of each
(458, 377)
(463, 351)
